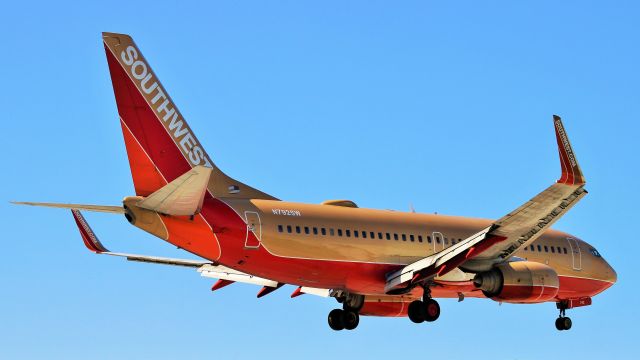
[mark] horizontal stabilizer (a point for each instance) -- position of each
(93, 244)
(182, 196)
(98, 208)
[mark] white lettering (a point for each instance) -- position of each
(129, 55)
(136, 65)
(178, 126)
(169, 112)
(286, 212)
(158, 96)
(195, 155)
(186, 143)
(144, 84)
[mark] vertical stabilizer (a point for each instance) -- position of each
(160, 144)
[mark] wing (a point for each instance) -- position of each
(518, 228)
(225, 275)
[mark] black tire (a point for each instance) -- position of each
(416, 311)
(335, 319)
(350, 319)
(559, 324)
(566, 323)
(431, 310)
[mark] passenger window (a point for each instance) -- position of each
(355, 233)
(559, 250)
(539, 248)
(395, 236)
(446, 241)
(339, 232)
(323, 231)
(546, 249)
(298, 229)
(331, 232)
(564, 250)
(380, 235)
(364, 234)
(372, 235)
(411, 238)
(306, 230)
(453, 241)
(315, 231)
(553, 250)
(532, 248)
(388, 236)
(438, 239)
(429, 239)
(348, 232)
(280, 229)
(419, 238)
(404, 237)
(289, 229)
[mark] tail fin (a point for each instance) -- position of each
(160, 144)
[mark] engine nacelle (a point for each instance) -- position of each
(519, 282)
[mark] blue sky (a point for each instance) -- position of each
(446, 106)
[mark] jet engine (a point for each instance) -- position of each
(519, 282)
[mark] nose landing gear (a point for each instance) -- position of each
(563, 322)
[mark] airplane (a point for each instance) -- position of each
(373, 262)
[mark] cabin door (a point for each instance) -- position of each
(576, 254)
(438, 241)
(254, 230)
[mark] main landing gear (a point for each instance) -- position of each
(424, 310)
(563, 322)
(348, 317)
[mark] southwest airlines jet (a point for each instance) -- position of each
(373, 262)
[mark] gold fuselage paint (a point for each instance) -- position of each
(326, 232)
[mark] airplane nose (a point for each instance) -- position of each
(611, 275)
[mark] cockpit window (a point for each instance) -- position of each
(595, 252)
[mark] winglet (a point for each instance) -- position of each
(571, 173)
(88, 237)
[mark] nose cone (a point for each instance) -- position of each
(610, 275)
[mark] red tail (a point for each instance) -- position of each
(160, 144)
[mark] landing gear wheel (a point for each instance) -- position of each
(559, 324)
(563, 323)
(335, 319)
(350, 319)
(416, 311)
(431, 310)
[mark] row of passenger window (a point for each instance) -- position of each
(554, 249)
(312, 230)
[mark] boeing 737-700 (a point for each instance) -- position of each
(373, 262)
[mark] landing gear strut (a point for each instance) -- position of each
(348, 317)
(424, 310)
(563, 322)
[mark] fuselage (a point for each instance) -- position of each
(340, 247)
